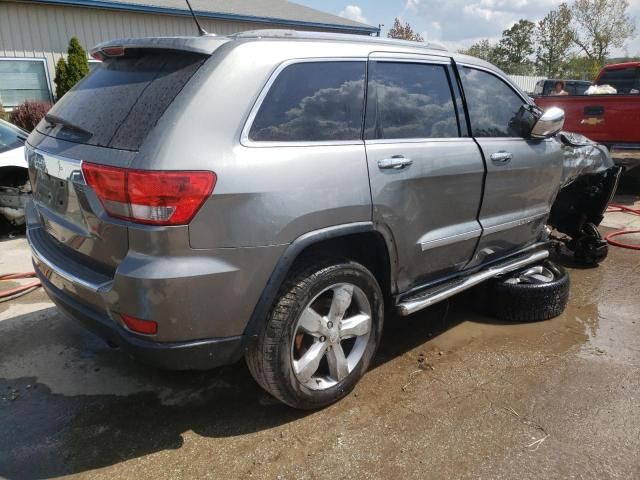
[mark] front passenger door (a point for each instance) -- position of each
(523, 175)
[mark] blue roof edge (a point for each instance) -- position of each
(106, 5)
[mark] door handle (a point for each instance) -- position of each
(396, 162)
(501, 158)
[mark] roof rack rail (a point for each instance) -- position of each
(340, 37)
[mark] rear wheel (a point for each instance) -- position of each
(535, 293)
(320, 336)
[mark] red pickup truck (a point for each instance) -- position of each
(611, 119)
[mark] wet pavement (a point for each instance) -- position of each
(453, 394)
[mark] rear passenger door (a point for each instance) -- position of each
(523, 175)
(425, 172)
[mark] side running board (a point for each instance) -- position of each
(443, 291)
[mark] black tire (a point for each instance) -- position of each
(270, 358)
(530, 302)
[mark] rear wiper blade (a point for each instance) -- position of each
(66, 123)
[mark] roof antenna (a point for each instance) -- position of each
(201, 30)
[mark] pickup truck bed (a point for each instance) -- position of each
(612, 120)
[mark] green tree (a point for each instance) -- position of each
(601, 25)
(515, 47)
(77, 62)
(554, 39)
(62, 84)
(403, 32)
(581, 67)
(482, 49)
(74, 69)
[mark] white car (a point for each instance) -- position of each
(14, 176)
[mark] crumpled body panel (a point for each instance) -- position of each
(582, 157)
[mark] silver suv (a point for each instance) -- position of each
(276, 195)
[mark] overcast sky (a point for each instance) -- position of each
(455, 23)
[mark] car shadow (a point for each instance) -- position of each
(70, 404)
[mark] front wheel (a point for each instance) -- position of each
(321, 335)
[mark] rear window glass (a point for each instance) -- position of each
(121, 100)
(624, 80)
(313, 101)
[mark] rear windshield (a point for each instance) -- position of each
(624, 80)
(119, 103)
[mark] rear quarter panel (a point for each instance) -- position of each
(266, 195)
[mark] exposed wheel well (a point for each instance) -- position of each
(366, 248)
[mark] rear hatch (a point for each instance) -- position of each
(103, 120)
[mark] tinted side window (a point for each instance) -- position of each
(409, 100)
(538, 89)
(492, 104)
(313, 101)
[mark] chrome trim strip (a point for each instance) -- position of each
(61, 272)
(244, 136)
(405, 57)
(385, 141)
(514, 223)
(62, 168)
(457, 286)
(460, 237)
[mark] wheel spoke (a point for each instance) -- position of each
(338, 367)
(308, 364)
(342, 297)
(355, 326)
(311, 322)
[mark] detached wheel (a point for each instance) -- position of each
(321, 335)
(536, 293)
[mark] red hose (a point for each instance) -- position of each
(22, 289)
(614, 207)
(630, 246)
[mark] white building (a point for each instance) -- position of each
(35, 34)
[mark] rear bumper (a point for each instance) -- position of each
(201, 300)
(193, 355)
(627, 156)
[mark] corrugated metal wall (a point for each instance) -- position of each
(43, 31)
(526, 82)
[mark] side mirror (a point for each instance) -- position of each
(550, 123)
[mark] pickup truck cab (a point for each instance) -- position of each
(611, 119)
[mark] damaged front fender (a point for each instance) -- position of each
(15, 189)
(582, 157)
(589, 181)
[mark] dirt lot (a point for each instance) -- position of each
(452, 395)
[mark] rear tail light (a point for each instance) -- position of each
(114, 51)
(148, 327)
(149, 196)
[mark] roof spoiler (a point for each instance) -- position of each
(204, 45)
